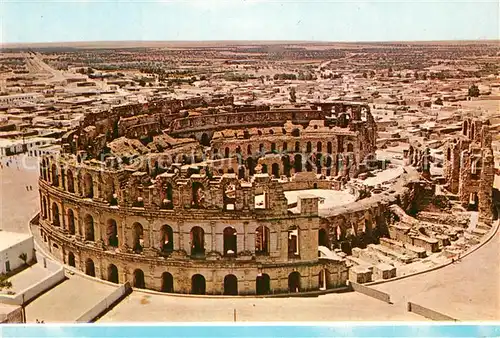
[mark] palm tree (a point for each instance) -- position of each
(24, 257)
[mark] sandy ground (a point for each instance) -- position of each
(350, 306)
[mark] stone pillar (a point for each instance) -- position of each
(179, 243)
(213, 242)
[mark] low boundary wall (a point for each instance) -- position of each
(428, 313)
(121, 292)
(41, 286)
(385, 297)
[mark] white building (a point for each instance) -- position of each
(12, 245)
(35, 146)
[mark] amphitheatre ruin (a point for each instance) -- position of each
(204, 196)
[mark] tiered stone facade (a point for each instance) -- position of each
(206, 214)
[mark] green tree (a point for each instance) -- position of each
(473, 91)
(4, 283)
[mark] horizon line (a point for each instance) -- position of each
(254, 41)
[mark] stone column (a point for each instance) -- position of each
(214, 238)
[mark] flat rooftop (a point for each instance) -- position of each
(9, 239)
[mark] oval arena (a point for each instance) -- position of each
(202, 196)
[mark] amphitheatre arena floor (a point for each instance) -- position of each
(466, 290)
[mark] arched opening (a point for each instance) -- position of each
(323, 279)
(89, 228)
(88, 186)
(319, 162)
(139, 279)
(294, 282)
(71, 181)
(138, 239)
(198, 195)
(472, 132)
(241, 172)
(297, 163)
(169, 197)
(262, 240)
(285, 146)
(71, 222)
(112, 233)
(167, 239)
(273, 147)
(264, 169)
(329, 148)
(55, 176)
(45, 211)
(275, 169)
(71, 259)
(251, 166)
(197, 241)
(328, 166)
(285, 160)
(295, 132)
(323, 238)
(167, 282)
(198, 285)
(89, 267)
(44, 168)
(350, 148)
(448, 154)
(231, 285)
(249, 149)
(113, 274)
(309, 166)
(319, 147)
(309, 147)
(263, 284)
(297, 147)
(205, 140)
(230, 241)
(261, 149)
(226, 152)
(55, 215)
(465, 128)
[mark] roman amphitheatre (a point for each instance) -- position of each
(206, 197)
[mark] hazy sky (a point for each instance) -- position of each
(326, 20)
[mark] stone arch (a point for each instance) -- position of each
(197, 235)
(137, 237)
(273, 147)
(329, 148)
(89, 228)
(55, 175)
(297, 163)
(251, 166)
(275, 170)
(226, 152)
(309, 147)
(71, 181)
(285, 161)
(71, 259)
(263, 284)
(44, 207)
(285, 146)
(231, 285)
(323, 238)
(55, 215)
(89, 267)
(294, 282)
(230, 240)
(167, 282)
(88, 185)
(139, 281)
(205, 139)
(297, 147)
(71, 221)
(350, 148)
(112, 233)
(465, 128)
(167, 239)
(198, 284)
(319, 147)
(113, 274)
